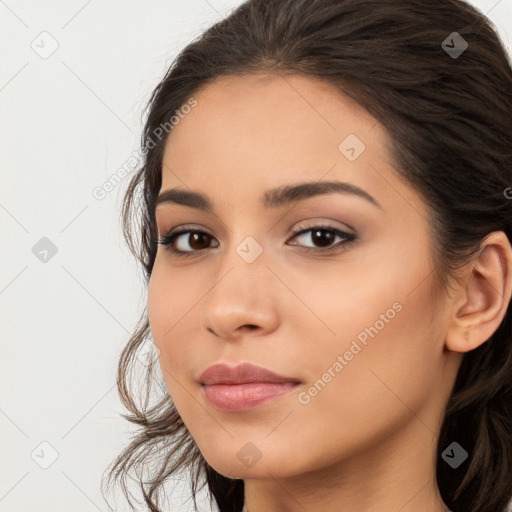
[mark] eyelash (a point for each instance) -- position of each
(168, 240)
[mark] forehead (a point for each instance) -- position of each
(253, 133)
(270, 113)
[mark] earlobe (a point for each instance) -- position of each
(483, 296)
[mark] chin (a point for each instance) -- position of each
(246, 463)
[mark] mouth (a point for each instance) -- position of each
(243, 387)
(241, 397)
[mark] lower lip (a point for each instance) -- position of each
(240, 397)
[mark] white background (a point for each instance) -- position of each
(68, 122)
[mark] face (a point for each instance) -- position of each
(333, 289)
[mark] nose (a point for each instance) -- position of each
(243, 300)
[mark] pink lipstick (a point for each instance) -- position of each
(243, 387)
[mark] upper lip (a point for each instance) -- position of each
(240, 374)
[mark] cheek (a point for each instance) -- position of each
(170, 305)
(381, 330)
(170, 296)
(388, 369)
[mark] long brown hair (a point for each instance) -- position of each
(447, 109)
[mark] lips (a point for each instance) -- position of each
(233, 389)
(241, 374)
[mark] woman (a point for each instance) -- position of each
(326, 219)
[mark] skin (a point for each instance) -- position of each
(366, 442)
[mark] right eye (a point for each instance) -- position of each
(193, 239)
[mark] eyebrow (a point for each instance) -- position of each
(274, 198)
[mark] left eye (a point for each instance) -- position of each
(322, 235)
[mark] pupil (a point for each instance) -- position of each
(323, 240)
(195, 237)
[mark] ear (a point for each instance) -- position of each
(482, 296)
